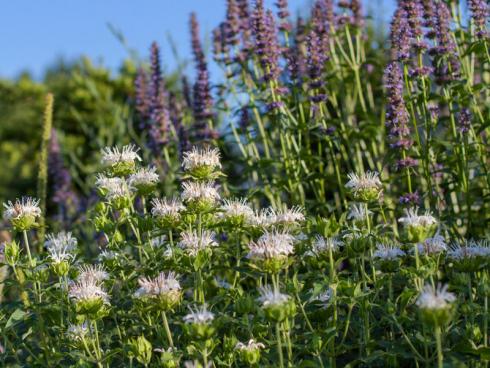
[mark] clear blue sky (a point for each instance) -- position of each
(34, 33)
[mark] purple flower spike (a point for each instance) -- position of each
(480, 12)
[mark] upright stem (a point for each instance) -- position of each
(440, 357)
(167, 329)
(279, 345)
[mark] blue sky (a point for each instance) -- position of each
(34, 33)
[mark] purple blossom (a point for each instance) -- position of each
(429, 12)
(464, 120)
(266, 44)
(62, 193)
(283, 15)
(480, 12)
(414, 12)
(400, 36)
(410, 198)
(355, 7)
(142, 98)
(232, 27)
(316, 60)
(397, 117)
(405, 163)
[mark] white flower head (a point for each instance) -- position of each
(87, 290)
(113, 188)
(431, 246)
(270, 297)
(323, 245)
(287, 217)
(261, 218)
(412, 218)
(113, 155)
(92, 274)
(107, 255)
(168, 208)
(199, 315)
(358, 212)
(144, 177)
(158, 241)
(324, 297)
(191, 242)
(196, 364)
(435, 298)
(388, 252)
(197, 191)
(23, 213)
(78, 332)
(60, 247)
(251, 345)
(197, 157)
(469, 249)
(236, 208)
(365, 186)
(61, 240)
(163, 284)
(273, 244)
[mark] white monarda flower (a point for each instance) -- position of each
(114, 155)
(324, 297)
(236, 208)
(61, 240)
(166, 208)
(431, 246)
(144, 177)
(270, 298)
(191, 242)
(77, 333)
(249, 346)
(60, 254)
(113, 188)
(107, 255)
(358, 212)
(435, 298)
(197, 158)
(158, 241)
(261, 218)
(26, 206)
(199, 315)
(323, 245)
(271, 245)
(163, 284)
(92, 273)
(87, 290)
(287, 216)
(196, 191)
(412, 218)
(388, 252)
(365, 186)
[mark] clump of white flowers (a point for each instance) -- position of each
(270, 252)
(144, 180)
(92, 273)
(365, 187)
(164, 290)
(236, 211)
(276, 305)
(89, 298)
(436, 304)
(60, 249)
(358, 213)
(388, 256)
(199, 322)
(418, 227)
(469, 255)
(192, 242)
(167, 212)
(200, 196)
(115, 189)
(202, 163)
(120, 162)
(432, 246)
(321, 246)
(77, 333)
(286, 217)
(23, 213)
(249, 352)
